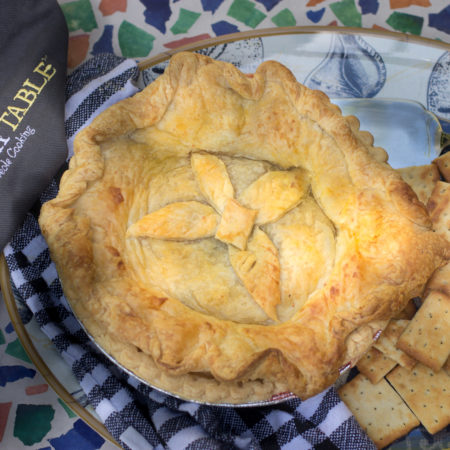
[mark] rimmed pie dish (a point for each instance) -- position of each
(229, 237)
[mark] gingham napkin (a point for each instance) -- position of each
(137, 416)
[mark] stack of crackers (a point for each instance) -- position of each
(404, 379)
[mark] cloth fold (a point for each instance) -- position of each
(136, 415)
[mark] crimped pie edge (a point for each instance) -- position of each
(314, 343)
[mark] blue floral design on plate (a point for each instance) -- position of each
(438, 94)
(351, 68)
(246, 53)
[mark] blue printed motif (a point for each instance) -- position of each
(441, 20)
(269, 4)
(438, 93)
(369, 6)
(157, 13)
(81, 437)
(211, 5)
(315, 16)
(104, 44)
(9, 374)
(224, 27)
(352, 68)
(247, 53)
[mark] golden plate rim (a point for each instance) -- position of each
(280, 31)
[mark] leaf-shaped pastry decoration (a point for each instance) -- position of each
(258, 268)
(181, 220)
(275, 193)
(236, 224)
(213, 180)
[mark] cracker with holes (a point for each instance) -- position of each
(427, 393)
(427, 336)
(378, 409)
(443, 164)
(375, 365)
(387, 343)
(440, 281)
(439, 208)
(422, 179)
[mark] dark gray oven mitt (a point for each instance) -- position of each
(33, 48)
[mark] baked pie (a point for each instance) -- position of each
(227, 237)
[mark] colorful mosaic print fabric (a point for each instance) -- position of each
(144, 28)
(32, 416)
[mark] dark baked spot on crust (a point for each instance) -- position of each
(113, 251)
(409, 205)
(405, 191)
(116, 194)
(334, 291)
(431, 205)
(159, 301)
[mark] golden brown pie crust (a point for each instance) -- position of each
(228, 237)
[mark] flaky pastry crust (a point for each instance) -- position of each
(228, 237)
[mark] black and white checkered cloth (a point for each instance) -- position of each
(137, 416)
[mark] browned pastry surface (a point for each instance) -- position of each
(235, 231)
